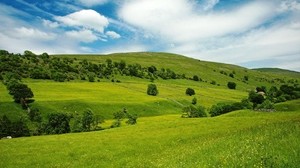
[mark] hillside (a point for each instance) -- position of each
(279, 71)
(239, 139)
(106, 97)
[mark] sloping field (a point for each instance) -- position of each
(238, 139)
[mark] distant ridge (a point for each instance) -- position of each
(279, 71)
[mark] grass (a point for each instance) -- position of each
(238, 139)
(106, 98)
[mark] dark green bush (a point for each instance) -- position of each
(152, 90)
(190, 91)
(193, 112)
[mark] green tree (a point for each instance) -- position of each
(152, 90)
(5, 126)
(58, 123)
(195, 78)
(255, 98)
(231, 85)
(190, 91)
(87, 120)
(21, 93)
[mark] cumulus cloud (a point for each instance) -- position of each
(240, 34)
(86, 36)
(88, 19)
(113, 34)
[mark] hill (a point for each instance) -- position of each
(105, 97)
(239, 139)
(279, 71)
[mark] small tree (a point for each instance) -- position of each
(152, 90)
(58, 123)
(35, 115)
(255, 98)
(194, 101)
(190, 91)
(195, 78)
(87, 120)
(231, 85)
(20, 92)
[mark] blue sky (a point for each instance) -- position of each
(251, 33)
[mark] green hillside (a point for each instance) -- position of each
(239, 139)
(106, 97)
(279, 71)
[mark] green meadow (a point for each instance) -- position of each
(161, 138)
(239, 139)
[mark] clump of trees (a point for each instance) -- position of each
(193, 112)
(223, 108)
(13, 129)
(120, 115)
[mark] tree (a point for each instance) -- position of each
(5, 126)
(231, 85)
(87, 120)
(35, 115)
(255, 98)
(193, 112)
(190, 91)
(58, 123)
(131, 119)
(195, 78)
(152, 90)
(20, 92)
(231, 75)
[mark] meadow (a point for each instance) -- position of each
(239, 139)
(161, 138)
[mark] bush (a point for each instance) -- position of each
(193, 112)
(266, 106)
(58, 123)
(35, 115)
(131, 119)
(152, 90)
(195, 78)
(190, 91)
(194, 101)
(231, 85)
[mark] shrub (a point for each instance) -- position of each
(195, 78)
(194, 101)
(231, 85)
(152, 90)
(193, 112)
(131, 119)
(58, 123)
(35, 115)
(213, 82)
(231, 75)
(266, 106)
(190, 91)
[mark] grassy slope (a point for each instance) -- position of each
(106, 98)
(238, 139)
(279, 71)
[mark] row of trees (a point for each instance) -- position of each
(64, 69)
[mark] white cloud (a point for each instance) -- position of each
(86, 36)
(90, 3)
(209, 4)
(88, 19)
(32, 33)
(50, 24)
(113, 34)
(177, 21)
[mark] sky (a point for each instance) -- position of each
(249, 33)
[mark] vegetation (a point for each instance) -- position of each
(152, 90)
(190, 92)
(231, 85)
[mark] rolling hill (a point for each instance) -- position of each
(162, 138)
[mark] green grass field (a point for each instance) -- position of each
(161, 138)
(238, 139)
